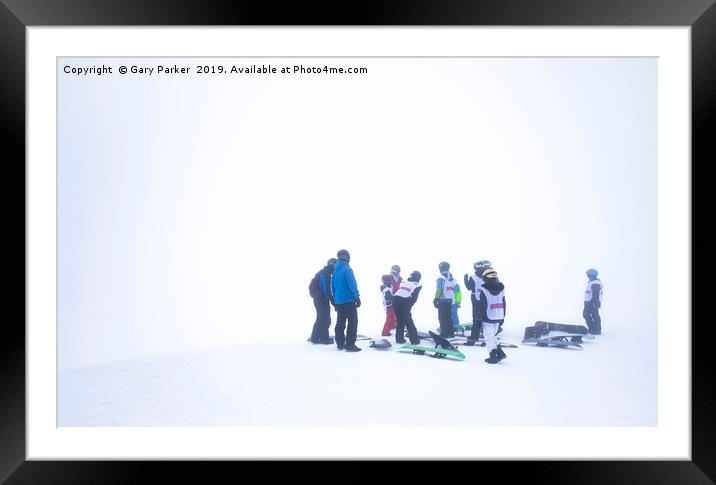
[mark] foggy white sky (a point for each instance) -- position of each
(194, 210)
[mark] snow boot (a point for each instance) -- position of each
(326, 342)
(500, 353)
(494, 357)
(352, 348)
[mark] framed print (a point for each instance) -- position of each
(189, 171)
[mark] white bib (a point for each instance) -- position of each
(448, 288)
(407, 288)
(495, 307)
(588, 291)
(388, 291)
(478, 283)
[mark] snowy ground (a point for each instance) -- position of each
(301, 384)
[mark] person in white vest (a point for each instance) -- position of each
(387, 290)
(592, 303)
(403, 301)
(492, 307)
(472, 283)
(443, 300)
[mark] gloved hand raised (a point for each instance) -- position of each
(467, 279)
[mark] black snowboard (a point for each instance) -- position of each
(479, 343)
(441, 342)
(561, 327)
(535, 335)
(381, 344)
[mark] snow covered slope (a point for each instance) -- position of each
(301, 384)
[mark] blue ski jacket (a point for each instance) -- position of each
(343, 284)
(324, 283)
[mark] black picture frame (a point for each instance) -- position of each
(16, 15)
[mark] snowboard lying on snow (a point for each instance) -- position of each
(443, 348)
(461, 340)
(558, 329)
(479, 343)
(380, 344)
(461, 329)
(546, 334)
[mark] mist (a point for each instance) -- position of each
(194, 210)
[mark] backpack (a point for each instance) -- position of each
(314, 287)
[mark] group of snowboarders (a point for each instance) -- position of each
(335, 285)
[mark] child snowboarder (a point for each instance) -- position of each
(456, 299)
(473, 283)
(443, 300)
(320, 291)
(592, 303)
(403, 302)
(396, 278)
(387, 290)
(491, 304)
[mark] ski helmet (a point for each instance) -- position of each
(592, 273)
(344, 255)
(415, 276)
(387, 279)
(395, 268)
(482, 264)
(444, 266)
(489, 273)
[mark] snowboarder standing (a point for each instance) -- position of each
(492, 306)
(347, 298)
(473, 282)
(592, 303)
(403, 302)
(320, 291)
(396, 278)
(443, 300)
(456, 299)
(387, 290)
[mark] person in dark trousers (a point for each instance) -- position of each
(492, 307)
(320, 291)
(347, 298)
(443, 300)
(387, 290)
(592, 303)
(472, 283)
(403, 302)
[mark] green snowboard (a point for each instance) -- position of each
(437, 352)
